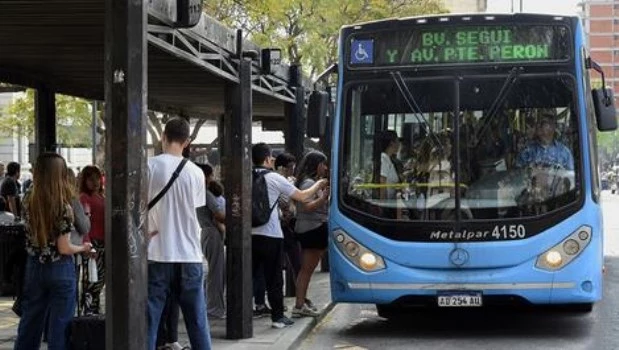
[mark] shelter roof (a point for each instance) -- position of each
(60, 44)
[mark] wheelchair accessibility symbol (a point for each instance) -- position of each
(362, 52)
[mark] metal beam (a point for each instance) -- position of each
(125, 97)
(220, 60)
(236, 158)
(11, 89)
(45, 121)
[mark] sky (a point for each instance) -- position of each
(536, 6)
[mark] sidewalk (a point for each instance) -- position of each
(264, 337)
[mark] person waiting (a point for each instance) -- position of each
(50, 282)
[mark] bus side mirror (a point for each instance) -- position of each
(605, 113)
(317, 113)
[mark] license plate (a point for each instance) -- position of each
(473, 299)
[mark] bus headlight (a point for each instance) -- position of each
(565, 251)
(553, 258)
(356, 253)
(368, 261)
(352, 249)
(571, 247)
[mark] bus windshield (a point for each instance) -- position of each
(515, 153)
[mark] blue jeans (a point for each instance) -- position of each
(185, 282)
(48, 288)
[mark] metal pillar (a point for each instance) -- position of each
(294, 136)
(295, 116)
(45, 122)
(95, 108)
(236, 158)
(125, 207)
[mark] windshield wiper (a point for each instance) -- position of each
(412, 104)
(509, 82)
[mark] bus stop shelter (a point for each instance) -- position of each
(131, 55)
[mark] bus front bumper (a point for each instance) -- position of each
(578, 282)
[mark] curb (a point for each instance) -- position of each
(308, 327)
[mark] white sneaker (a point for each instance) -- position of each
(175, 346)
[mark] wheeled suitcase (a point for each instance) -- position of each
(88, 333)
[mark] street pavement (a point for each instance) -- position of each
(358, 327)
(265, 337)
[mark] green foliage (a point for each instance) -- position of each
(307, 30)
(73, 119)
(608, 145)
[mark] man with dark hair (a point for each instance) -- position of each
(174, 251)
(267, 240)
(284, 165)
(10, 188)
(545, 150)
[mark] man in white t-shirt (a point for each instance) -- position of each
(267, 240)
(174, 251)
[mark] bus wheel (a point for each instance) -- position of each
(388, 311)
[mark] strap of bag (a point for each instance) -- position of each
(168, 185)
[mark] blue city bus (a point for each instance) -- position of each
(464, 168)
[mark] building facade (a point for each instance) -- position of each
(601, 21)
(465, 6)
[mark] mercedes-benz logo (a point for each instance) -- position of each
(459, 256)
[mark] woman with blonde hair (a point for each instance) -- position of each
(49, 284)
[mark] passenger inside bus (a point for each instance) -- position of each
(389, 147)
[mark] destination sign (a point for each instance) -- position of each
(460, 44)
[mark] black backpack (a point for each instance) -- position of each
(261, 209)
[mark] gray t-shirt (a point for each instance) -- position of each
(310, 220)
(205, 213)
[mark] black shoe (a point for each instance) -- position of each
(17, 306)
(282, 323)
(262, 310)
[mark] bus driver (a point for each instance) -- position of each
(545, 150)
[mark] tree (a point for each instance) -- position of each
(73, 115)
(307, 31)
(156, 122)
